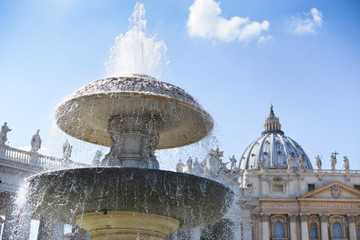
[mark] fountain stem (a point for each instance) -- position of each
(133, 142)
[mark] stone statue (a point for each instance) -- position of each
(96, 160)
(318, 162)
(346, 164)
(233, 162)
(197, 167)
(3, 134)
(216, 153)
(189, 164)
(290, 162)
(180, 166)
(67, 149)
(35, 142)
(262, 162)
(301, 161)
(333, 161)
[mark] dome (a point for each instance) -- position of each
(273, 149)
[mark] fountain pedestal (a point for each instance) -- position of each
(127, 225)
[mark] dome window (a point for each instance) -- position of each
(279, 152)
(265, 153)
(253, 154)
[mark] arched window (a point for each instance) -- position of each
(313, 231)
(337, 232)
(279, 230)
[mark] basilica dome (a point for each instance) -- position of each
(274, 150)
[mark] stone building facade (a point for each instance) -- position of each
(279, 196)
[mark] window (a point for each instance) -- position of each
(277, 188)
(311, 187)
(337, 233)
(357, 187)
(313, 231)
(279, 230)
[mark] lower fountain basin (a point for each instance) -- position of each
(194, 201)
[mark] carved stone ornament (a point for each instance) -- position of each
(335, 191)
(264, 217)
(324, 217)
(277, 180)
(320, 177)
(293, 217)
(304, 217)
(351, 218)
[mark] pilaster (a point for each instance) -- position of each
(293, 218)
(264, 220)
(304, 226)
(324, 219)
(352, 228)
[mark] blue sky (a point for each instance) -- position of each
(303, 61)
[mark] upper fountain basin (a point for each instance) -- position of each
(180, 119)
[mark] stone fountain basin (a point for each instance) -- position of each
(181, 120)
(194, 201)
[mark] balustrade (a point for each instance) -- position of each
(37, 160)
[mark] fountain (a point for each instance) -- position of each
(128, 196)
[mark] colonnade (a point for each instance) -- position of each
(16, 227)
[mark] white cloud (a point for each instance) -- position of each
(307, 23)
(264, 39)
(205, 21)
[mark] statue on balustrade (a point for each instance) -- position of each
(346, 164)
(3, 134)
(197, 168)
(233, 162)
(35, 142)
(318, 162)
(180, 166)
(67, 149)
(189, 164)
(333, 161)
(96, 160)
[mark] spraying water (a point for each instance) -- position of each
(135, 52)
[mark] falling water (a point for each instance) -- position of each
(135, 52)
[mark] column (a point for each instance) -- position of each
(76, 233)
(10, 220)
(293, 232)
(324, 226)
(352, 228)
(195, 233)
(44, 229)
(265, 226)
(57, 231)
(24, 217)
(304, 226)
